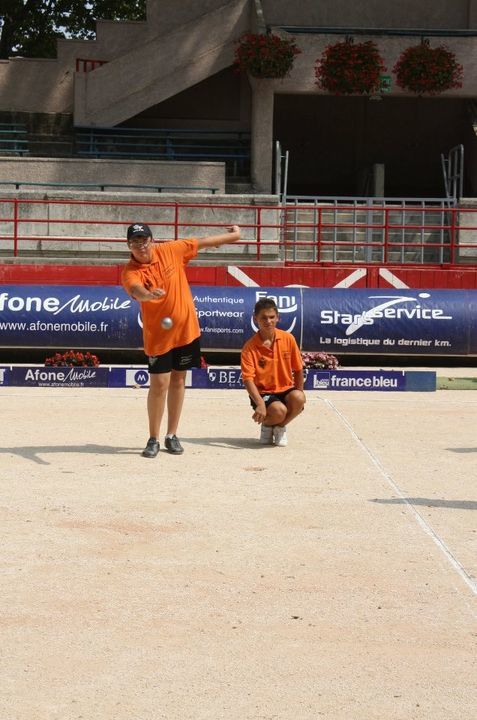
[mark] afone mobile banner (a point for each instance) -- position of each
(359, 321)
(68, 316)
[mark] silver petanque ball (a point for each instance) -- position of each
(166, 323)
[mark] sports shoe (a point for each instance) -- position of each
(173, 445)
(151, 449)
(280, 436)
(266, 435)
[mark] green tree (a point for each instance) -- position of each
(30, 28)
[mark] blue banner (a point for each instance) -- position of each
(226, 314)
(59, 376)
(387, 380)
(218, 378)
(338, 321)
(401, 322)
(61, 316)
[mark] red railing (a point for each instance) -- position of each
(86, 64)
(269, 232)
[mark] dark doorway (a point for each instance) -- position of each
(334, 141)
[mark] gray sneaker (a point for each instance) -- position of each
(173, 445)
(151, 449)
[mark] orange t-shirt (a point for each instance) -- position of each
(167, 271)
(271, 369)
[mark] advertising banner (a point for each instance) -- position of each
(59, 376)
(405, 322)
(388, 380)
(218, 378)
(338, 321)
(226, 314)
(61, 316)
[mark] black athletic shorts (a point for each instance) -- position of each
(184, 357)
(273, 397)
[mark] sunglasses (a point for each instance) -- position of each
(136, 242)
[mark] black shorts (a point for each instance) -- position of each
(269, 398)
(184, 357)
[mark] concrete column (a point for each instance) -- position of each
(262, 135)
(257, 23)
(378, 180)
(472, 15)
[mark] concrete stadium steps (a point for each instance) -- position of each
(156, 71)
(50, 145)
(48, 134)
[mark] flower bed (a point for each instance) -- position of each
(72, 358)
(320, 360)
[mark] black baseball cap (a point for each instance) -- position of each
(138, 230)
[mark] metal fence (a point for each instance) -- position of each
(370, 230)
(305, 231)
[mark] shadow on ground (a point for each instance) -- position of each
(429, 502)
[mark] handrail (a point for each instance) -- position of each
(453, 172)
(101, 186)
(304, 234)
(88, 64)
(13, 139)
(168, 144)
(118, 129)
(399, 32)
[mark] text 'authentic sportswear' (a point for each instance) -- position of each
(271, 368)
(167, 271)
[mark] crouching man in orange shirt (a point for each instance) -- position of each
(272, 372)
(155, 277)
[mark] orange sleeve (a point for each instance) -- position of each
(247, 364)
(129, 278)
(296, 359)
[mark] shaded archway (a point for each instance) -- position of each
(333, 142)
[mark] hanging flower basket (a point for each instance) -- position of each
(349, 68)
(423, 69)
(265, 55)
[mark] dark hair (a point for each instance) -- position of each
(267, 303)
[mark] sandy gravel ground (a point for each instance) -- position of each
(334, 578)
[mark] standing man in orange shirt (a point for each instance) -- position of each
(155, 276)
(272, 372)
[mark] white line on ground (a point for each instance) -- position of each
(465, 576)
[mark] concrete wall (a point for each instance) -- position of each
(147, 68)
(29, 85)
(456, 14)
(128, 172)
(46, 85)
(226, 106)
(73, 224)
(166, 15)
(151, 73)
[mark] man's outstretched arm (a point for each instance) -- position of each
(231, 236)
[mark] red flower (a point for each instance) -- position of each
(319, 360)
(422, 69)
(72, 359)
(347, 68)
(265, 56)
